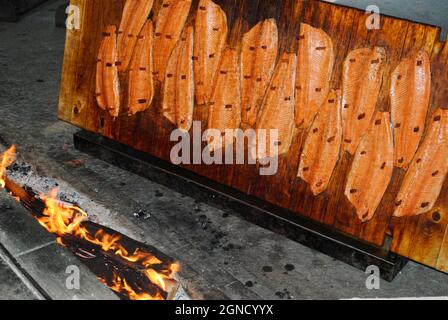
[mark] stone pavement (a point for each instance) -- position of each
(222, 256)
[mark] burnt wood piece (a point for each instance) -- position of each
(105, 264)
(11, 10)
(150, 131)
(305, 231)
(37, 207)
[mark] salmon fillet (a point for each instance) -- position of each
(169, 25)
(372, 168)
(141, 85)
(107, 89)
(409, 96)
(178, 88)
(314, 71)
(258, 57)
(424, 180)
(135, 14)
(277, 112)
(225, 102)
(322, 145)
(211, 33)
(362, 78)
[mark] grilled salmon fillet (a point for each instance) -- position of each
(322, 145)
(169, 25)
(135, 15)
(178, 88)
(107, 89)
(409, 96)
(372, 168)
(225, 102)
(314, 71)
(258, 57)
(277, 112)
(424, 180)
(210, 39)
(140, 84)
(361, 80)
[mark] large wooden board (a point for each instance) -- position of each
(423, 238)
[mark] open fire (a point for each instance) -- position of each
(133, 270)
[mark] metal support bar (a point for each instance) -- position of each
(303, 230)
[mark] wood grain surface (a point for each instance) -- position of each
(423, 238)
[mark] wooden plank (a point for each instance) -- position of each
(223, 173)
(442, 260)
(390, 36)
(69, 67)
(422, 238)
(81, 108)
(338, 24)
(418, 37)
(326, 206)
(376, 229)
(87, 69)
(244, 175)
(150, 135)
(273, 188)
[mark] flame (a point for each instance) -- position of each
(60, 218)
(7, 158)
(120, 285)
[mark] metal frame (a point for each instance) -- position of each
(303, 230)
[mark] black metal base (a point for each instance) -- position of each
(305, 231)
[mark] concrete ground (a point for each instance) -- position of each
(222, 256)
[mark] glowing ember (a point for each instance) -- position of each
(60, 219)
(65, 220)
(121, 286)
(7, 159)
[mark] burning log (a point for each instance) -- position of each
(138, 283)
(133, 270)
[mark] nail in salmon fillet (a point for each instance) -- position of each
(107, 89)
(210, 39)
(362, 78)
(409, 96)
(258, 57)
(372, 168)
(140, 84)
(424, 180)
(178, 88)
(169, 25)
(322, 145)
(314, 71)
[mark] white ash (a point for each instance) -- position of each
(181, 294)
(26, 176)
